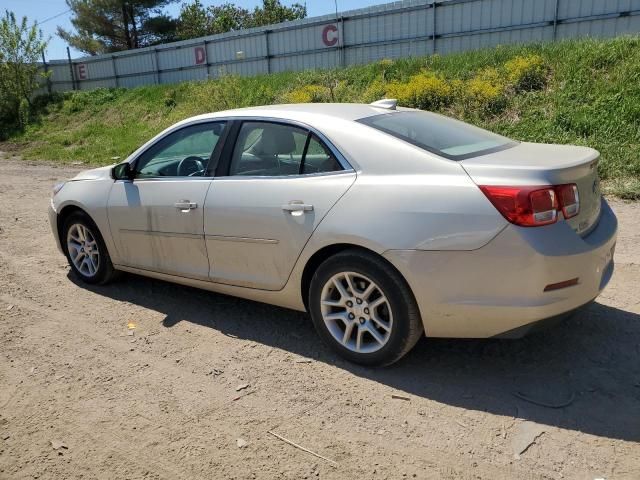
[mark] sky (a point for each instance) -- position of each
(44, 12)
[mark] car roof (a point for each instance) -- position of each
(303, 111)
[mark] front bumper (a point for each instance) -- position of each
(500, 287)
(53, 221)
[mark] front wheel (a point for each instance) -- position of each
(85, 250)
(363, 308)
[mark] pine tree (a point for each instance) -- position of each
(103, 26)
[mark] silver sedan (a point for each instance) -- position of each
(384, 223)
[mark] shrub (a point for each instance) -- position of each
(376, 90)
(526, 73)
(23, 113)
(425, 91)
(485, 91)
(226, 93)
(344, 92)
(170, 98)
(306, 94)
(386, 68)
(90, 100)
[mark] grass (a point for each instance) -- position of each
(584, 92)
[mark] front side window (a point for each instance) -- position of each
(184, 153)
(441, 135)
(266, 149)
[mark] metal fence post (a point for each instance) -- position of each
(341, 42)
(267, 50)
(555, 21)
(73, 74)
(156, 66)
(46, 71)
(115, 70)
(433, 36)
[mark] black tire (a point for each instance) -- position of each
(105, 271)
(406, 328)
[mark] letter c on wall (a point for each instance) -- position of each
(201, 55)
(330, 35)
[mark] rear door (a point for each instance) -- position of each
(277, 184)
(156, 219)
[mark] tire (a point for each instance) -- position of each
(393, 314)
(95, 268)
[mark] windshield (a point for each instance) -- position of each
(442, 135)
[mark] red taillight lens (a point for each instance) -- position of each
(533, 206)
(544, 206)
(569, 199)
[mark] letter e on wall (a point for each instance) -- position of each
(81, 71)
(200, 55)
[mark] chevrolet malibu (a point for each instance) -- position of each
(384, 223)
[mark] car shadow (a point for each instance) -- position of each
(582, 374)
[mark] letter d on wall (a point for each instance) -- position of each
(201, 55)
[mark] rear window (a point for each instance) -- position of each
(438, 134)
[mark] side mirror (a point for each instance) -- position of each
(122, 171)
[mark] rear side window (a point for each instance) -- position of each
(438, 134)
(265, 149)
(318, 158)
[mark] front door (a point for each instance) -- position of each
(157, 218)
(280, 183)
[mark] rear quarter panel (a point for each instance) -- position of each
(406, 198)
(413, 212)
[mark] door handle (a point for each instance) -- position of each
(297, 206)
(185, 205)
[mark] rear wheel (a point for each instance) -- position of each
(85, 249)
(364, 309)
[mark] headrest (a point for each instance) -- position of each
(276, 140)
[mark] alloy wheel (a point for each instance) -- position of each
(83, 249)
(356, 312)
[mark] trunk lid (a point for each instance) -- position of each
(542, 164)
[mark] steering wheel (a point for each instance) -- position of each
(190, 166)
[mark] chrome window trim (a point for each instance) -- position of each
(166, 179)
(283, 177)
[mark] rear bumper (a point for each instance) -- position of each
(500, 287)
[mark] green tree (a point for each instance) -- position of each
(272, 11)
(196, 20)
(103, 26)
(193, 21)
(228, 17)
(21, 47)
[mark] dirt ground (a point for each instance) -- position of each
(81, 398)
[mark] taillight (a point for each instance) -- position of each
(533, 206)
(569, 199)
